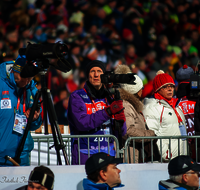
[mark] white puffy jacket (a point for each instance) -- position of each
(161, 118)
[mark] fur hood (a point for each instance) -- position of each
(122, 69)
(132, 99)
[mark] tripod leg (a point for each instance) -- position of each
(55, 129)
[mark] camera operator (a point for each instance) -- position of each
(17, 95)
(186, 102)
(41, 177)
(90, 112)
(135, 122)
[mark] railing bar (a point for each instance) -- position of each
(151, 150)
(142, 151)
(169, 148)
(133, 150)
(88, 147)
(79, 154)
(48, 153)
(98, 144)
(108, 145)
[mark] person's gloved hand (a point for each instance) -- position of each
(115, 107)
(120, 117)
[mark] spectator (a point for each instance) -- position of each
(102, 53)
(135, 123)
(140, 67)
(102, 172)
(161, 49)
(164, 117)
(17, 99)
(90, 111)
(186, 102)
(183, 174)
(127, 37)
(136, 28)
(41, 177)
(130, 55)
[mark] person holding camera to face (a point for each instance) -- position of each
(91, 111)
(135, 122)
(17, 95)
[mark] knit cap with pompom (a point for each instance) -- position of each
(161, 79)
(184, 73)
(131, 88)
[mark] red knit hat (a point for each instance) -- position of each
(161, 79)
(126, 32)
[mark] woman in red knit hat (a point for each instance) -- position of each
(164, 117)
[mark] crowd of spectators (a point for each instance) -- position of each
(146, 35)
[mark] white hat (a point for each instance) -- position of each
(133, 88)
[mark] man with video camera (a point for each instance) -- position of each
(17, 95)
(91, 112)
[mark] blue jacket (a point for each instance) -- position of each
(169, 184)
(9, 140)
(89, 185)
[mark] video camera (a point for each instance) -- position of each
(110, 77)
(37, 58)
(195, 83)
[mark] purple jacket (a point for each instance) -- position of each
(86, 115)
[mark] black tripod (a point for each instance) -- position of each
(47, 108)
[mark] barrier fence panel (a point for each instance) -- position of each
(168, 147)
(44, 150)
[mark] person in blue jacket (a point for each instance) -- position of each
(91, 112)
(102, 172)
(183, 174)
(17, 97)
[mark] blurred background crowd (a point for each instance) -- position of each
(146, 35)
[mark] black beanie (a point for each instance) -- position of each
(95, 63)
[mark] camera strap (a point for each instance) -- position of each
(24, 101)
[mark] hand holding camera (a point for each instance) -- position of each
(115, 107)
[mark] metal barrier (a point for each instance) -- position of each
(159, 141)
(47, 141)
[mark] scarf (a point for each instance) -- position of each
(172, 102)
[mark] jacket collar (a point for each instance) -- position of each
(101, 93)
(169, 184)
(89, 185)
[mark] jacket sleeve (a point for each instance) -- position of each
(152, 117)
(135, 129)
(38, 122)
(78, 117)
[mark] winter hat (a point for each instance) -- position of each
(184, 73)
(126, 32)
(161, 79)
(181, 164)
(95, 63)
(131, 88)
(99, 160)
(19, 63)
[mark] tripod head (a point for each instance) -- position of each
(38, 54)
